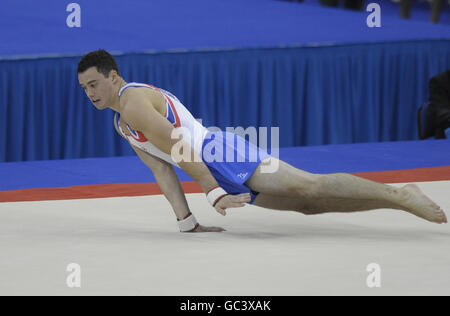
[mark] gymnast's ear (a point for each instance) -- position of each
(114, 76)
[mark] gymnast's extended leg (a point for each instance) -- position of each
(290, 188)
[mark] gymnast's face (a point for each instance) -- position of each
(98, 88)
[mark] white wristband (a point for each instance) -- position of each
(187, 224)
(215, 195)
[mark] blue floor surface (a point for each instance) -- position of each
(363, 157)
(39, 27)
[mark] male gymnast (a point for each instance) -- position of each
(148, 117)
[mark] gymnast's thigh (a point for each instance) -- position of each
(281, 179)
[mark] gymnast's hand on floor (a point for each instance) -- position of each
(230, 200)
(206, 229)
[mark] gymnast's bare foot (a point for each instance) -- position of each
(417, 203)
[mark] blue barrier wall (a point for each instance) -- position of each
(316, 95)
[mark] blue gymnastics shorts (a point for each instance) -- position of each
(232, 160)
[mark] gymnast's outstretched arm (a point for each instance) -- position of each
(140, 114)
(169, 184)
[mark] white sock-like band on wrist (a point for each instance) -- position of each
(187, 224)
(215, 194)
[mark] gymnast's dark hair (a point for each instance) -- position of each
(100, 59)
